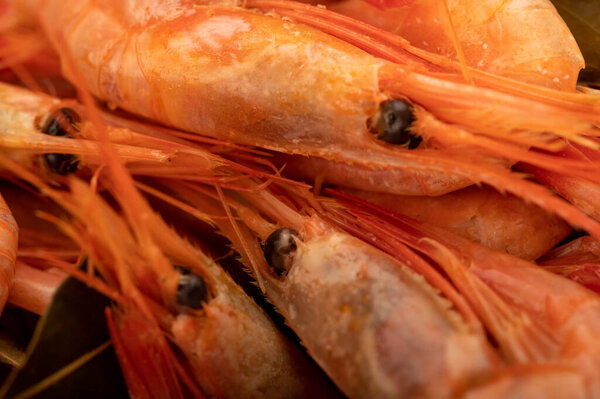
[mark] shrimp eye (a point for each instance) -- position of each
(279, 250)
(63, 164)
(191, 290)
(393, 123)
(59, 123)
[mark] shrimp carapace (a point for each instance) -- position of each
(481, 214)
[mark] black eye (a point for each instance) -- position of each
(60, 123)
(279, 250)
(191, 290)
(393, 123)
(63, 164)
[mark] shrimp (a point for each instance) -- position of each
(539, 320)
(133, 135)
(523, 40)
(483, 215)
(56, 137)
(164, 287)
(548, 55)
(376, 327)
(268, 91)
(32, 123)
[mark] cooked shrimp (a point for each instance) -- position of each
(33, 124)
(536, 317)
(491, 35)
(231, 347)
(374, 325)
(56, 136)
(265, 88)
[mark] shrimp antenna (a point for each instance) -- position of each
(455, 42)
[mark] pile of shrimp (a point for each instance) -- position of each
(409, 183)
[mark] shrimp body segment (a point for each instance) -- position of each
(481, 214)
(522, 40)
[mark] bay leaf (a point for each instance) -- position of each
(73, 325)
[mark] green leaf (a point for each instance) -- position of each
(73, 325)
(583, 18)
